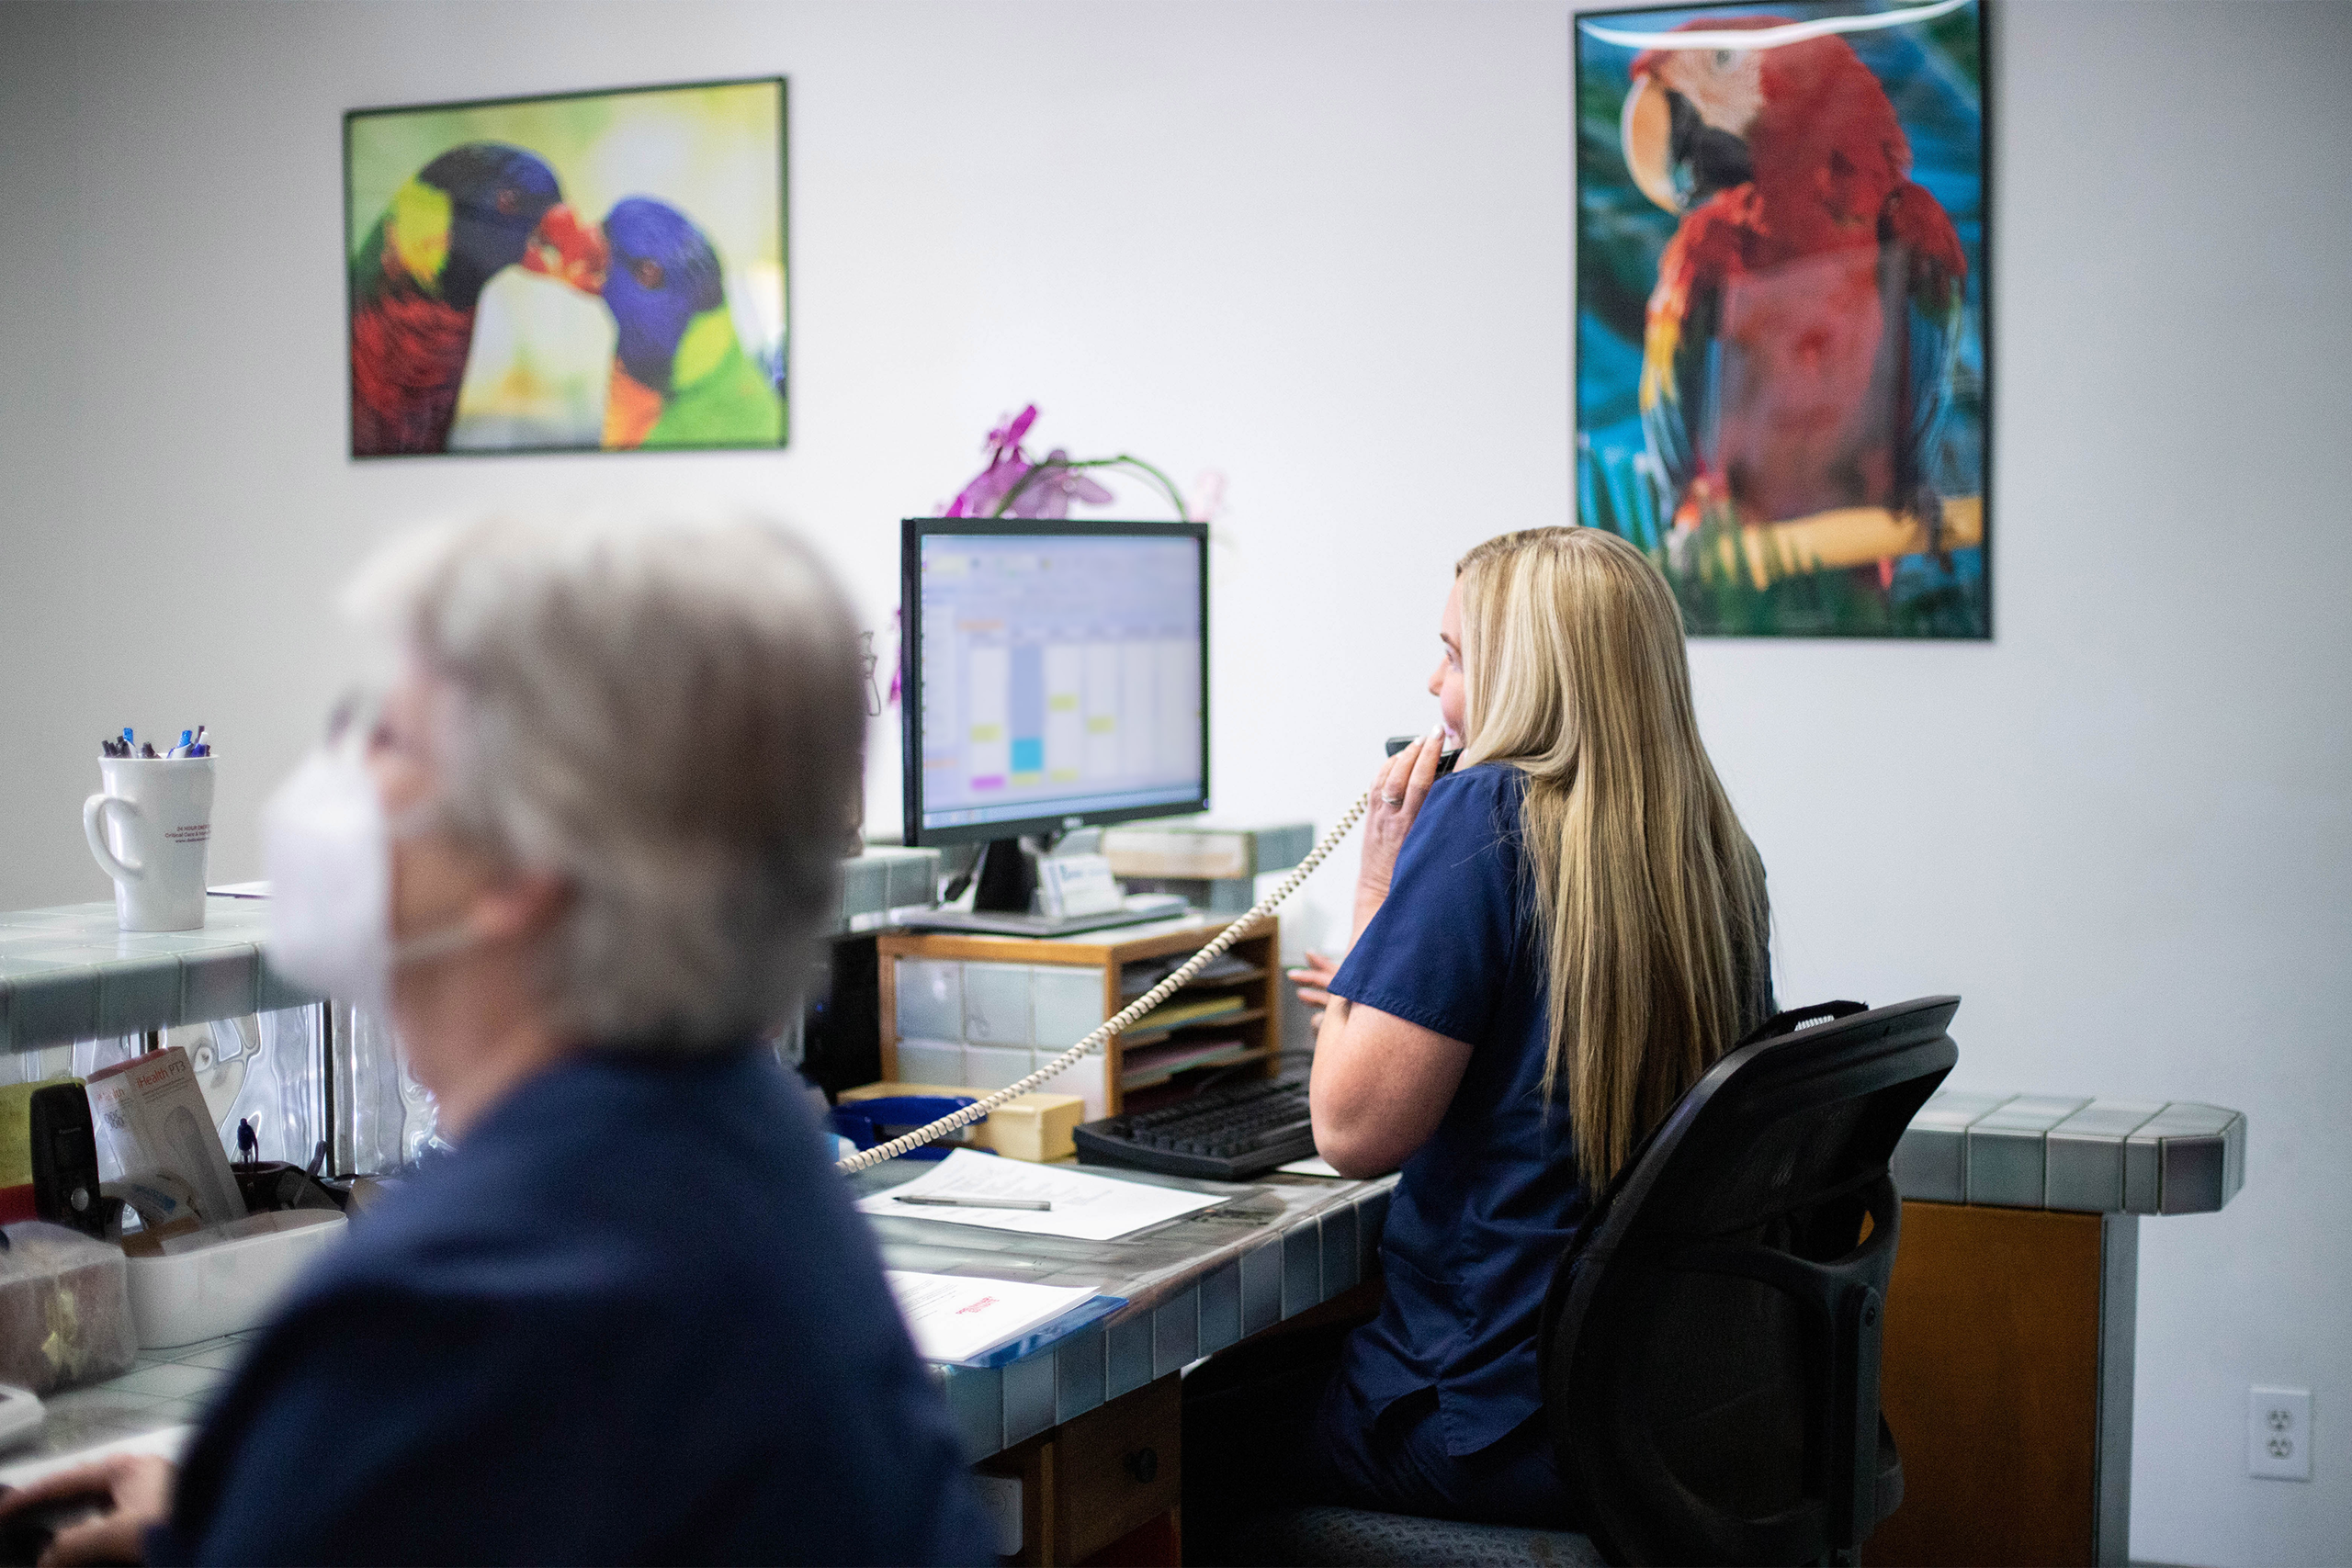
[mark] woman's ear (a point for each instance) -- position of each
(519, 907)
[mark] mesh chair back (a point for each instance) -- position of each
(1710, 1342)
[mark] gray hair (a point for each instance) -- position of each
(667, 713)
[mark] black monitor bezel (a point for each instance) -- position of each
(912, 531)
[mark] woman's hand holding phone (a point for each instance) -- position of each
(1397, 791)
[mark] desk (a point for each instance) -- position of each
(1196, 1285)
(2006, 1370)
(2038, 1292)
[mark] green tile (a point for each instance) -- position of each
(53, 1004)
(129, 943)
(138, 993)
(16, 940)
(276, 991)
(67, 952)
(219, 983)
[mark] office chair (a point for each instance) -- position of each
(1710, 1343)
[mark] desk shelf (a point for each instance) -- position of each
(981, 1011)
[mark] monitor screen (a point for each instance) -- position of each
(1055, 674)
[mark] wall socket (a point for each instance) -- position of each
(2278, 1433)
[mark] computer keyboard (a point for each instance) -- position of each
(1225, 1135)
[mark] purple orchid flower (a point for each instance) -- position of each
(1057, 485)
(898, 655)
(1007, 465)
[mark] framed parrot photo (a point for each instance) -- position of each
(582, 272)
(1781, 380)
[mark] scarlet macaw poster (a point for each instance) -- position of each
(1781, 371)
(590, 271)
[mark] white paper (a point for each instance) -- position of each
(1313, 1165)
(168, 1442)
(953, 1319)
(1085, 1207)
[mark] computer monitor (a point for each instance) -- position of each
(1055, 674)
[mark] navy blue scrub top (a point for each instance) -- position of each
(633, 1319)
(1483, 1211)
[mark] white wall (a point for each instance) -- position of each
(1326, 249)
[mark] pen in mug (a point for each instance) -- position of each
(1038, 1205)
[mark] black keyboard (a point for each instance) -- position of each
(1225, 1135)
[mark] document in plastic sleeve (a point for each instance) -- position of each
(1082, 1206)
(953, 1319)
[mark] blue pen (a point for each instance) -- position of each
(128, 748)
(185, 749)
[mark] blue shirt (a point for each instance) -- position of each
(633, 1319)
(1484, 1210)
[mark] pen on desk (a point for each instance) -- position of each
(1038, 1204)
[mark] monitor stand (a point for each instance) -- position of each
(1004, 894)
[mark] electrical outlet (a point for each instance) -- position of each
(2278, 1433)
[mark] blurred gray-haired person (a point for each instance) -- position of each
(577, 853)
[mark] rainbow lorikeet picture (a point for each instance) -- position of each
(417, 278)
(493, 310)
(1780, 344)
(680, 375)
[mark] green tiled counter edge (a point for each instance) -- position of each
(68, 973)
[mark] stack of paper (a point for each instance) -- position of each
(1175, 1014)
(1156, 1064)
(954, 1319)
(1143, 974)
(1083, 1206)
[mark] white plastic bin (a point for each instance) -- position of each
(225, 1287)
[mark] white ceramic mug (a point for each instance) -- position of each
(149, 829)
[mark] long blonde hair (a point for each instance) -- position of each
(1648, 894)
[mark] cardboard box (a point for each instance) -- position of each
(152, 1116)
(1034, 1127)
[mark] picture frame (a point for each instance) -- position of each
(599, 270)
(1783, 390)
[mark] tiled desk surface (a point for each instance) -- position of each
(68, 973)
(165, 1387)
(1193, 1286)
(2067, 1152)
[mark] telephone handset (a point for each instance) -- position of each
(1142, 1004)
(1445, 759)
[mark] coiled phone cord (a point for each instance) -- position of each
(1126, 1015)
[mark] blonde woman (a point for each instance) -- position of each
(1551, 944)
